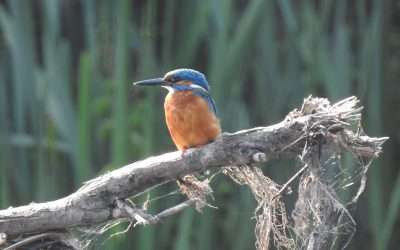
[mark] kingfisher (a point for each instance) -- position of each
(190, 111)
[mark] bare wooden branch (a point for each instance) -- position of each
(99, 200)
(93, 203)
(125, 209)
(34, 238)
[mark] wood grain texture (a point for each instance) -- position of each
(95, 202)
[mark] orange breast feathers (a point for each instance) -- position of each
(190, 121)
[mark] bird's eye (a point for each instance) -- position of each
(170, 79)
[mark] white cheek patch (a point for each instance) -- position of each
(195, 86)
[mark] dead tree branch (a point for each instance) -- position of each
(103, 199)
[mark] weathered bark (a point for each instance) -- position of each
(94, 202)
(98, 200)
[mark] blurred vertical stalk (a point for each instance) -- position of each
(120, 131)
(183, 240)
(18, 32)
(147, 65)
(206, 230)
(167, 30)
(191, 37)
(4, 145)
(120, 102)
(374, 119)
(243, 234)
(84, 124)
(387, 237)
(230, 54)
(60, 104)
(146, 237)
(41, 174)
(89, 8)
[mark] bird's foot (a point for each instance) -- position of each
(183, 151)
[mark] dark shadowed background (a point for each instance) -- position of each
(68, 111)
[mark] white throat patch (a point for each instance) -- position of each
(169, 88)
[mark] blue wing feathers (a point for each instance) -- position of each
(206, 96)
(211, 104)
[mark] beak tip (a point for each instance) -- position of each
(149, 82)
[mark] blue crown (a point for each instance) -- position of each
(188, 75)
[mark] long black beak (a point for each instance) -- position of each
(151, 82)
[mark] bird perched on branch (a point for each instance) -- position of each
(190, 111)
(191, 118)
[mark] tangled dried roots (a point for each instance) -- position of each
(196, 190)
(270, 214)
(320, 218)
(328, 188)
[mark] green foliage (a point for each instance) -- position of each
(68, 112)
(85, 117)
(120, 105)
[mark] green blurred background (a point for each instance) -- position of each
(68, 111)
